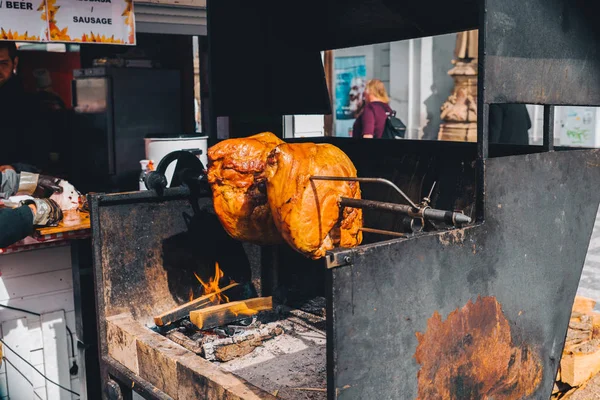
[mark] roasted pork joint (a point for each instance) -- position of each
(236, 175)
(308, 213)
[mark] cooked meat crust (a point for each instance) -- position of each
(307, 213)
(236, 175)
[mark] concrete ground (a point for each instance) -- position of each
(589, 285)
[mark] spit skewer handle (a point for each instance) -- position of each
(454, 218)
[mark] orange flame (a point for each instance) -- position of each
(212, 285)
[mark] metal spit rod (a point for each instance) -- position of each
(428, 213)
(366, 180)
(382, 232)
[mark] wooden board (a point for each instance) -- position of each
(72, 221)
(184, 310)
(222, 314)
(575, 369)
(583, 305)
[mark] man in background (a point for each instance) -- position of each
(12, 102)
(22, 128)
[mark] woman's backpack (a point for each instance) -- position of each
(394, 128)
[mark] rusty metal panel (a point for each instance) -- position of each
(542, 52)
(475, 313)
(148, 248)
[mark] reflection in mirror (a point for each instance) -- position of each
(577, 126)
(429, 83)
(573, 126)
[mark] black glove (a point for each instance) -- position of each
(48, 213)
(47, 186)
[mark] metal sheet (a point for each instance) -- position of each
(148, 247)
(518, 270)
(542, 52)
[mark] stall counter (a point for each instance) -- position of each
(75, 225)
(41, 310)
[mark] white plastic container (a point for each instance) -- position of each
(159, 146)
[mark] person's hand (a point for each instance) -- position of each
(47, 186)
(5, 167)
(46, 212)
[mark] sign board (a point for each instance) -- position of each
(68, 21)
(580, 126)
(350, 80)
(22, 21)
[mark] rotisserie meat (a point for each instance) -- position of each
(236, 175)
(307, 213)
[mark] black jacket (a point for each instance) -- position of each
(15, 224)
(509, 123)
(23, 131)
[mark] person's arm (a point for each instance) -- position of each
(495, 121)
(18, 223)
(15, 224)
(368, 122)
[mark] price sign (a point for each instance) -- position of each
(22, 20)
(79, 21)
(91, 21)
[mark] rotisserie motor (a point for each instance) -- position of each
(236, 175)
(307, 213)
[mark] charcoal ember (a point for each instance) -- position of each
(317, 306)
(188, 326)
(227, 349)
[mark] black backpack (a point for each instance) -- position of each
(394, 128)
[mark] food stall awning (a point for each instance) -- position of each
(186, 17)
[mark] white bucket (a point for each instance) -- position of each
(158, 147)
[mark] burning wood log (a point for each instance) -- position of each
(183, 310)
(222, 314)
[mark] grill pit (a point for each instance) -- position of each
(147, 249)
(282, 351)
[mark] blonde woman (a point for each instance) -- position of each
(370, 123)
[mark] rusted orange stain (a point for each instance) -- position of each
(470, 355)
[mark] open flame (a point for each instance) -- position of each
(212, 286)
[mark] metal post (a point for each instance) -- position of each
(548, 128)
(212, 116)
(482, 115)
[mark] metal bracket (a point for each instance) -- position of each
(339, 259)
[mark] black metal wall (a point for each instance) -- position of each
(389, 334)
(542, 52)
